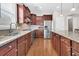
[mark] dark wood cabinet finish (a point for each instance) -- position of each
(23, 12)
(39, 33)
(56, 42)
(13, 52)
(75, 48)
(24, 44)
(39, 20)
(65, 47)
(29, 40)
(33, 19)
(18, 47)
(47, 17)
(4, 50)
(75, 53)
(21, 46)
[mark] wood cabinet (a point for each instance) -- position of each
(21, 46)
(47, 17)
(18, 47)
(29, 40)
(39, 20)
(75, 53)
(75, 48)
(23, 12)
(24, 44)
(56, 42)
(20, 13)
(65, 47)
(9, 49)
(13, 52)
(33, 19)
(39, 33)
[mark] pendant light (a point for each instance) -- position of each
(61, 10)
(73, 8)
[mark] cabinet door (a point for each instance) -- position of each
(65, 50)
(75, 46)
(57, 44)
(7, 47)
(28, 41)
(21, 49)
(75, 53)
(13, 52)
(33, 18)
(39, 33)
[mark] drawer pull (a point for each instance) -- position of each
(73, 54)
(10, 46)
(16, 50)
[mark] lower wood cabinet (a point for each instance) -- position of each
(56, 42)
(65, 47)
(40, 33)
(18, 47)
(75, 53)
(21, 46)
(61, 45)
(75, 48)
(9, 49)
(24, 44)
(28, 42)
(13, 52)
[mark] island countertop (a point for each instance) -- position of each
(70, 35)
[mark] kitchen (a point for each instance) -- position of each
(32, 29)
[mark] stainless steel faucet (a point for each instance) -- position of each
(11, 30)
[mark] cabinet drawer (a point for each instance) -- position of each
(13, 52)
(4, 49)
(75, 46)
(75, 53)
(65, 40)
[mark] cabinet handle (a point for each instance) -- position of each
(73, 54)
(10, 46)
(16, 50)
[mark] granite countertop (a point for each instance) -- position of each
(70, 35)
(6, 39)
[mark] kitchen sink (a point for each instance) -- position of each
(12, 34)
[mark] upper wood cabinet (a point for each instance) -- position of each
(33, 19)
(22, 13)
(39, 20)
(47, 17)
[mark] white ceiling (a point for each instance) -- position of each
(49, 8)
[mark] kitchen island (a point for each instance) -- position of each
(65, 43)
